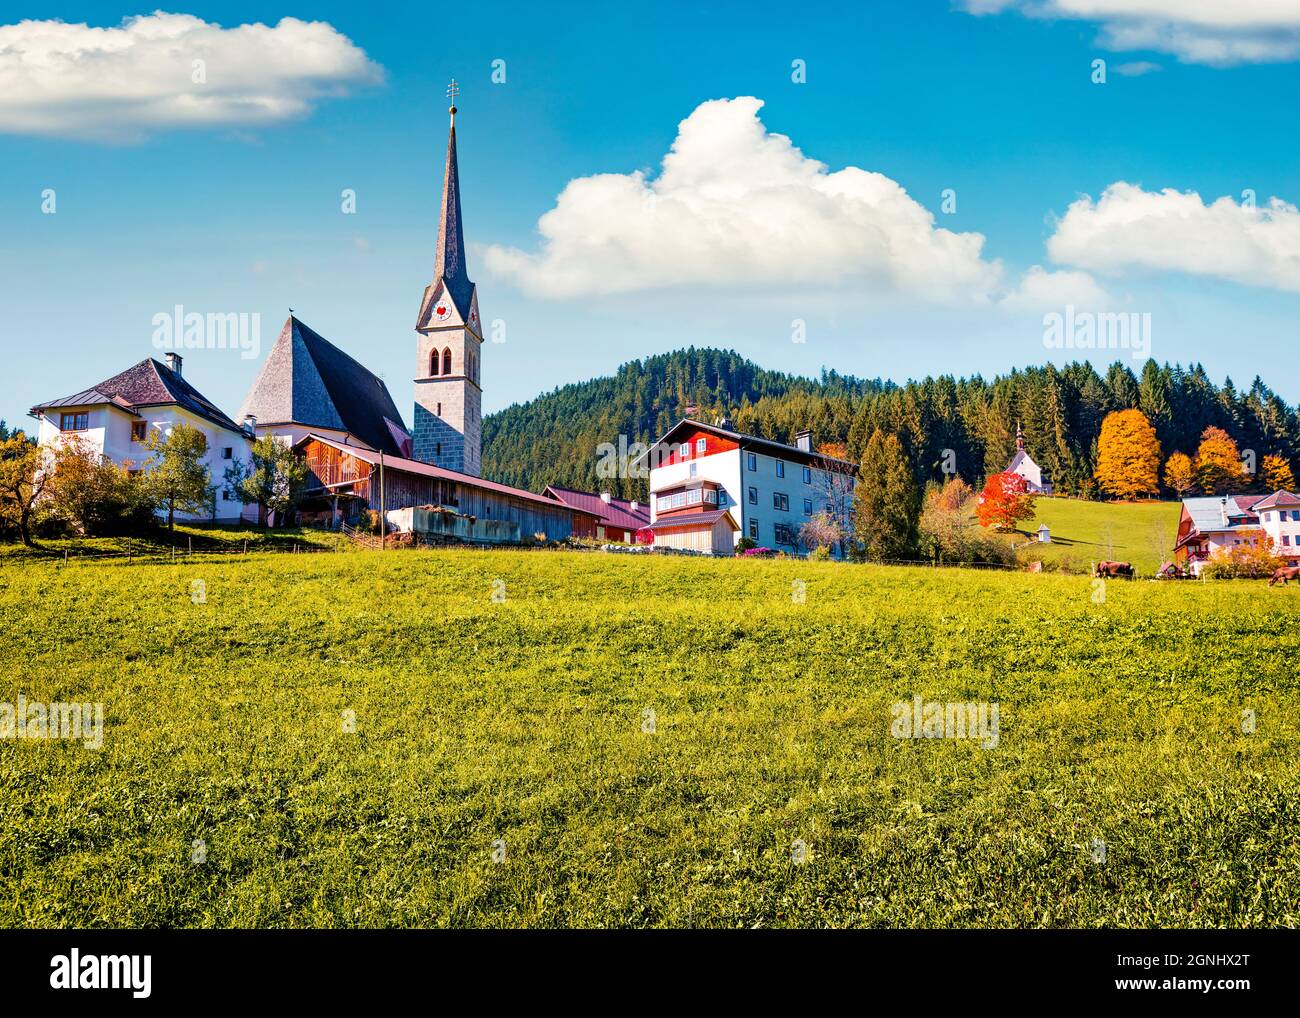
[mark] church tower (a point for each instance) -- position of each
(448, 399)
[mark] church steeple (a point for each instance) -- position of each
(1020, 438)
(448, 400)
(450, 263)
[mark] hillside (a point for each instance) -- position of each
(553, 439)
(1086, 532)
(341, 762)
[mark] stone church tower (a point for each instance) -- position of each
(448, 399)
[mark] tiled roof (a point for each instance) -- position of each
(1275, 500)
(692, 520)
(617, 512)
(148, 383)
(423, 469)
(308, 380)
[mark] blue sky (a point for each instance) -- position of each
(243, 214)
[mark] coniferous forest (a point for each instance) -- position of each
(553, 439)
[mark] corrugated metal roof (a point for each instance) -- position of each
(617, 512)
(1207, 512)
(692, 520)
(429, 470)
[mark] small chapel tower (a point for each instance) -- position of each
(448, 397)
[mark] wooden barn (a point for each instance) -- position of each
(345, 479)
(710, 533)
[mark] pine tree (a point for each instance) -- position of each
(886, 503)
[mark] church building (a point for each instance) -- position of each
(1023, 464)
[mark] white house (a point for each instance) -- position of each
(767, 488)
(1279, 518)
(115, 417)
(1218, 523)
(1023, 464)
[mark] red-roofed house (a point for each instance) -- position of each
(617, 519)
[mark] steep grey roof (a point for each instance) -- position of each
(450, 274)
(148, 383)
(450, 265)
(308, 380)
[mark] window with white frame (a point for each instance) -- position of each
(807, 475)
(751, 462)
(780, 468)
(699, 445)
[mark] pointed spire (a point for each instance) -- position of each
(1020, 438)
(450, 264)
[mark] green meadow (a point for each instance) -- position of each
(1086, 532)
(564, 739)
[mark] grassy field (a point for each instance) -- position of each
(215, 539)
(354, 740)
(1086, 532)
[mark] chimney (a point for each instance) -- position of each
(635, 505)
(173, 361)
(803, 440)
(604, 497)
(250, 425)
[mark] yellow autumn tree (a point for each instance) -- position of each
(1218, 463)
(1180, 474)
(1128, 455)
(1277, 474)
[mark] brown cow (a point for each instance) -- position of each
(1113, 569)
(1285, 573)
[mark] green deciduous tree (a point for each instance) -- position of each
(176, 476)
(273, 477)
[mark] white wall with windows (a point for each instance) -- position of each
(769, 496)
(120, 437)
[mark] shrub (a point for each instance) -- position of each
(1243, 562)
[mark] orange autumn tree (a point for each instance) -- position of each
(1004, 502)
(1218, 463)
(1180, 474)
(1277, 474)
(1128, 456)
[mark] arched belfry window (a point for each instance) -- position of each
(446, 361)
(433, 363)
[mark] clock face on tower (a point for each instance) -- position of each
(442, 310)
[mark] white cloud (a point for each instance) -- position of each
(125, 83)
(1216, 32)
(736, 206)
(1137, 68)
(1171, 230)
(1044, 289)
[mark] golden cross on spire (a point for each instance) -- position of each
(453, 90)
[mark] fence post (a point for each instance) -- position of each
(246, 546)
(190, 541)
(65, 556)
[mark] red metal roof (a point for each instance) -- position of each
(617, 512)
(693, 520)
(429, 470)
